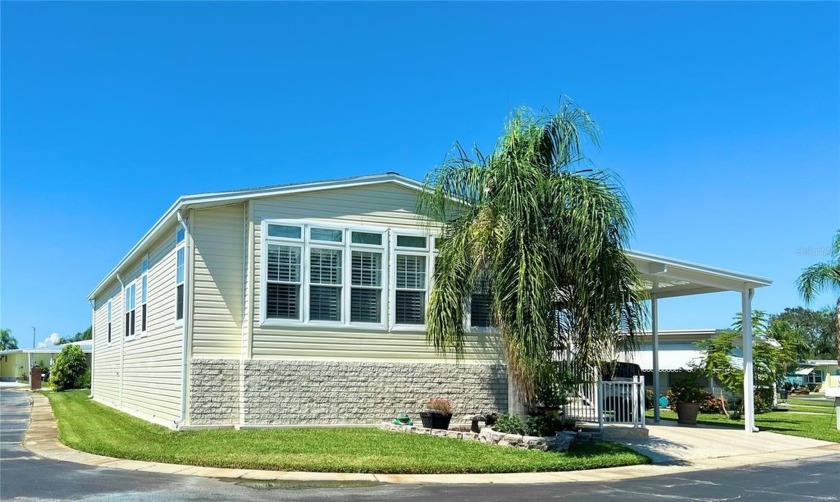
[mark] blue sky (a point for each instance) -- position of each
(723, 121)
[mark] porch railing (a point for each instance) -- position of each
(609, 402)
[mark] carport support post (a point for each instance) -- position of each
(654, 311)
(746, 317)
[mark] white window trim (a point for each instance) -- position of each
(109, 326)
(127, 311)
(430, 253)
(306, 243)
(144, 291)
(178, 246)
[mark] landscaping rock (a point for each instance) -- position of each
(561, 442)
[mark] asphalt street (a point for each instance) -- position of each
(24, 476)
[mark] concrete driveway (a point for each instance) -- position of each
(670, 443)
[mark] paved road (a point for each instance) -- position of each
(24, 476)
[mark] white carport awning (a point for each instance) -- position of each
(670, 277)
(804, 371)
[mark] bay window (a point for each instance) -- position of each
(320, 274)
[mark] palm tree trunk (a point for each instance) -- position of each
(837, 329)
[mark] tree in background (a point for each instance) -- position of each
(815, 330)
(824, 276)
(78, 337)
(67, 367)
(773, 353)
(7, 341)
(543, 235)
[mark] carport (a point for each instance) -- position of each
(670, 278)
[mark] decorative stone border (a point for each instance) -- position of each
(560, 442)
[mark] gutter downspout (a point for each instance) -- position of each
(185, 345)
(122, 343)
(92, 304)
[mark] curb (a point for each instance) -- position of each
(42, 439)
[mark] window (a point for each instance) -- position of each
(144, 286)
(325, 284)
(284, 277)
(815, 376)
(367, 271)
(130, 301)
(323, 275)
(109, 321)
(480, 310)
(411, 279)
(180, 253)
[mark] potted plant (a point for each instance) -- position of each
(437, 414)
(687, 396)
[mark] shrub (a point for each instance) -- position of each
(509, 424)
(443, 406)
(813, 387)
(713, 404)
(68, 366)
(648, 399)
(83, 382)
(763, 400)
(687, 390)
(543, 425)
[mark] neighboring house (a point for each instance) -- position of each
(16, 363)
(301, 304)
(817, 372)
(678, 353)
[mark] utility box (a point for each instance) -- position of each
(35, 378)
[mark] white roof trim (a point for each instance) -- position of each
(693, 278)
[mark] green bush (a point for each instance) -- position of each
(67, 367)
(83, 382)
(713, 404)
(509, 424)
(687, 389)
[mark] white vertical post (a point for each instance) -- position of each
(746, 316)
(642, 397)
(600, 402)
(654, 310)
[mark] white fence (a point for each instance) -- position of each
(611, 402)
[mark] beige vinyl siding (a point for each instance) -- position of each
(152, 363)
(381, 205)
(106, 357)
(219, 241)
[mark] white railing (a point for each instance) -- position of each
(612, 402)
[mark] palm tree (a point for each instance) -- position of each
(544, 234)
(824, 276)
(7, 341)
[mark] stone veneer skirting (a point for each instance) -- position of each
(288, 392)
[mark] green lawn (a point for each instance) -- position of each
(823, 403)
(91, 427)
(822, 426)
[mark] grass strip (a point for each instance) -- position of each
(92, 427)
